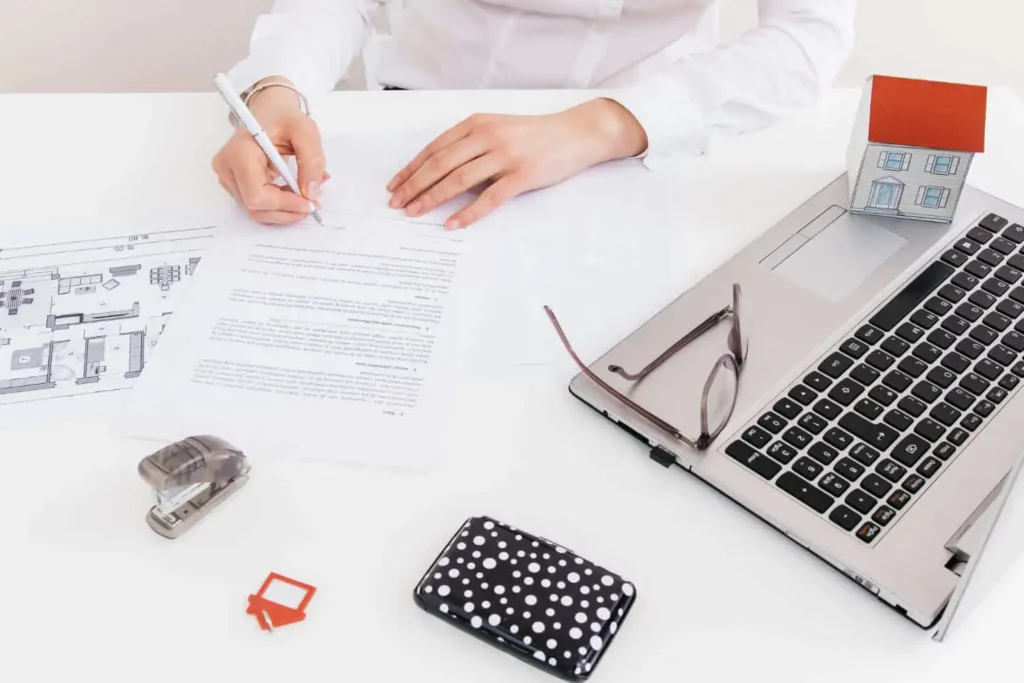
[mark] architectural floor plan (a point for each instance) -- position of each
(82, 317)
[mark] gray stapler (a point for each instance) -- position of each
(191, 478)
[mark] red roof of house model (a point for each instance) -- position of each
(916, 113)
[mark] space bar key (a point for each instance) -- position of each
(880, 436)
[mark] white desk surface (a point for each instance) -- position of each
(89, 589)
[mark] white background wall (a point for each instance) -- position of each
(175, 45)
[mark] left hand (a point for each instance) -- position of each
(515, 154)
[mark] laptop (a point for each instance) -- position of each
(877, 411)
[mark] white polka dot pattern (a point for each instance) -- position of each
(536, 587)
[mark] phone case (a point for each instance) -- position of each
(527, 596)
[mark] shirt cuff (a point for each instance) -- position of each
(272, 56)
(673, 120)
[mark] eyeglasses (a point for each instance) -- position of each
(718, 399)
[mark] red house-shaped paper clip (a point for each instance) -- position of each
(912, 145)
(280, 601)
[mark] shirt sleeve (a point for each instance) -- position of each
(309, 42)
(787, 62)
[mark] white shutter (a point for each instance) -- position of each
(945, 196)
(920, 196)
(930, 164)
(956, 165)
(906, 161)
(881, 160)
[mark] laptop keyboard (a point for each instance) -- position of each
(864, 433)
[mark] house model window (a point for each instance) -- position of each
(942, 165)
(933, 197)
(894, 161)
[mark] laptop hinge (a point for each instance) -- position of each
(662, 457)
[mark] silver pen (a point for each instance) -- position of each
(254, 128)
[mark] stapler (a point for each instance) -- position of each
(191, 478)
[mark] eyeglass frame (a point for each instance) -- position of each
(734, 360)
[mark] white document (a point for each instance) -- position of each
(311, 342)
(81, 310)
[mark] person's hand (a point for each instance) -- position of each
(244, 170)
(514, 154)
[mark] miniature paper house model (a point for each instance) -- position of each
(912, 145)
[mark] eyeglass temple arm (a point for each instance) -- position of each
(710, 322)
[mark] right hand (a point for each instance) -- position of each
(244, 170)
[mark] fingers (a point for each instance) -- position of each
(494, 196)
(450, 161)
(455, 183)
(309, 154)
(450, 136)
(258, 193)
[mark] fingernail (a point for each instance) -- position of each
(314, 190)
(414, 208)
(453, 224)
(395, 202)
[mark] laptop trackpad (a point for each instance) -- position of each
(834, 254)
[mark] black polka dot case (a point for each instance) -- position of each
(527, 596)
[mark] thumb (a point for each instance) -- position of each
(309, 155)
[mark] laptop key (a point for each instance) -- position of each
(956, 362)
(1002, 355)
(970, 422)
(993, 222)
(927, 352)
(912, 406)
(849, 469)
(899, 420)
(874, 434)
(822, 453)
(796, 437)
(1011, 309)
(812, 423)
(926, 391)
(1014, 233)
(928, 467)
(954, 258)
(1008, 275)
(781, 452)
(982, 299)
(967, 246)
(805, 492)
(772, 422)
(1018, 369)
(868, 409)
(844, 518)
(890, 470)
(1003, 246)
(818, 381)
(753, 460)
(941, 377)
(802, 394)
(898, 498)
(913, 483)
(787, 408)
(838, 438)
(929, 429)
(846, 391)
(997, 321)
(909, 332)
(955, 325)
(944, 451)
(882, 395)
(883, 515)
(978, 235)
(833, 484)
(969, 311)
(912, 366)
(974, 384)
(978, 269)
(880, 360)
(990, 257)
(965, 281)
(913, 293)
(995, 287)
(868, 531)
(827, 409)
(941, 339)
(807, 468)
(924, 319)
(757, 437)
(1009, 382)
(1015, 341)
(970, 348)
(861, 501)
(959, 398)
(875, 485)
(897, 381)
(1017, 294)
(835, 365)
(946, 414)
(952, 293)
(910, 450)
(865, 374)
(988, 369)
(864, 454)
(868, 334)
(939, 307)
(984, 408)
(1016, 262)
(853, 348)
(989, 332)
(958, 436)
(997, 394)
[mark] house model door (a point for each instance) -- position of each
(885, 194)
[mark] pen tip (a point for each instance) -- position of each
(316, 216)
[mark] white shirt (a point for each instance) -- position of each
(658, 58)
